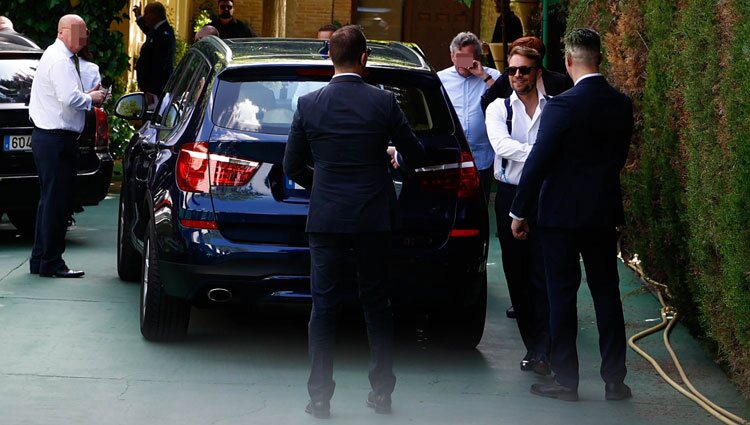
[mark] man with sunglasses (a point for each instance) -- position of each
(571, 185)
(465, 83)
(228, 25)
(512, 126)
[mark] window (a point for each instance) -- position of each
(16, 76)
(269, 106)
(381, 19)
(182, 92)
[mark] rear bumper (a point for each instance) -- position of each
(442, 278)
(22, 192)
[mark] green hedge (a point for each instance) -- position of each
(688, 184)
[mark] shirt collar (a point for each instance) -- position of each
(582, 77)
(347, 74)
(63, 48)
(541, 99)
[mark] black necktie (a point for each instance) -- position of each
(78, 65)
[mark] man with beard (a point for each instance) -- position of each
(512, 125)
(228, 26)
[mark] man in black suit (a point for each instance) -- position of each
(550, 83)
(343, 130)
(156, 60)
(573, 172)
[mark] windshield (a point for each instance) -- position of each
(269, 106)
(16, 76)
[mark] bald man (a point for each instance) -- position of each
(204, 32)
(58, 108)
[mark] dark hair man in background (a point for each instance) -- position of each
(156, 60)
(326, 31)
(343, 130)
(227, 25)
(582, 145)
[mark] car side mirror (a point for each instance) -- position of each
(131, 106)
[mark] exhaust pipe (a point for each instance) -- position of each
(219, 295)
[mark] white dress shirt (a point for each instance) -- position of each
(514, 147)
(57, 98)
(89, 74)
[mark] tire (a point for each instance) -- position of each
(24, 220)
(464, 329)
(128, 257)
(163, 317)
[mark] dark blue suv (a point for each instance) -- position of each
(208, 217)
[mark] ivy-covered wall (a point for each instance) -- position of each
(686, 64)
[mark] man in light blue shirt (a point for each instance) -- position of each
(465, 83)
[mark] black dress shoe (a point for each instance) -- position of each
(510, 313)
(617, 391)
(555, 390)
(319, 409)
(64, 273)
(380, 402)
(542, 367)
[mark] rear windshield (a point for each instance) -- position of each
(16, 76)
(269, 106)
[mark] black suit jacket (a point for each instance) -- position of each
(573, 169)
(554, 84)
(156, 60)
(343, 130)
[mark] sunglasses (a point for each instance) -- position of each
(524, 70)
(226, 7)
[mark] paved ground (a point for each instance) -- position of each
(71, 353)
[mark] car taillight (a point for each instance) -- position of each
(461, 178)
(197, 169)
(101, 135)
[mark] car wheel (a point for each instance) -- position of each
(128, 258)
(25, 221)
(464, 328)
(162, 317)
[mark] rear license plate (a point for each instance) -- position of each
(15, 143)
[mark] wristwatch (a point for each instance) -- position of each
(487, 78)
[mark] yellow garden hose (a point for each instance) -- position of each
(668, 320)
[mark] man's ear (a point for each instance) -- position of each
(363, 59)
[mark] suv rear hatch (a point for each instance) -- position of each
(254, 202)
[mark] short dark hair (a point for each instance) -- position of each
(225, 1)
(531, 42)
(347, 45)
(328, 27)
(157, 8)
(526, 52)
(584, 45)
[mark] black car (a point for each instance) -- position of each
(19, 185)
(208, 217)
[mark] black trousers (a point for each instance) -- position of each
(523, 264)
(563, 249)
(56, 158)
(330, 254)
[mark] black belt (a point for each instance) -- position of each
(58, 132)
(506, 185)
